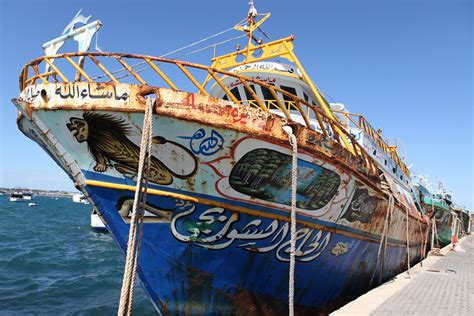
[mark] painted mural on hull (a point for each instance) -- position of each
(224, 247)
(222, 164)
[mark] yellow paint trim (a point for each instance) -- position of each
(56, 70)
(79, 69)
(193, 80)
(161, 74)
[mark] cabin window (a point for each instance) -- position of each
(305, 96)
(289, 90)
(266, 174)
(267, 96)
(248, 94)
(236, 93)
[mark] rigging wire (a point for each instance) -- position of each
(187, 54)
(213, 45)
(172, 52)
(326, 95)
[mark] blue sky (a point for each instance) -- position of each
(406, 65)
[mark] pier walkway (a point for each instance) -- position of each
(441, 285)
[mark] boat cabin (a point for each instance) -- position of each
(285, 77)
(290, 79)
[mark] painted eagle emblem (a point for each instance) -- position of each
(108, 143)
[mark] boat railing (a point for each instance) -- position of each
(358, 121)
(95, 67)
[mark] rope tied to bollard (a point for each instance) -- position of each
(294, 174)
(408, 242)
(383, 241)
(136, 221)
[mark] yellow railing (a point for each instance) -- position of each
(360, 122)
(98, 61)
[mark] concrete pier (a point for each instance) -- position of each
(440, 285)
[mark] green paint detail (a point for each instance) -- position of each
(436, 203)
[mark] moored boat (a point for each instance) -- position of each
(16, 197)
(436, 206)
(217, 236)
(464, 219)
(80, 198)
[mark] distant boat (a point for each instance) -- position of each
(28, 196)
(80, 198)
(16, 197)
(96, 221)
(464, 218)
(435, 206)
(32, 204)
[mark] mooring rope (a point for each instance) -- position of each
(294, 175)
(434, 230)
(408, 243)
(131, 261)
(422, 244)
(383, 240)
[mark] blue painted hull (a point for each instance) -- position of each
(217, 241)
(245, 273)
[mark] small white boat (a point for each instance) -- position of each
(16, 197)
(80, 198)
(96, 221)
(32, 204)
(27, 196)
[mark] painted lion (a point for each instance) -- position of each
(107, 141)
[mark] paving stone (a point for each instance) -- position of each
(448, 292)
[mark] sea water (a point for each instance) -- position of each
(52, 262)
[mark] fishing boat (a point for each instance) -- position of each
(217, 237)
(435, 204)
(27, 196)
(16, 197)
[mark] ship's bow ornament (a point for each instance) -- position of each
(82, 35)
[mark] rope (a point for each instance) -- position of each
(408, 244)
(434, 230)
(133, 250)
(383, 240)
(294, 175)
(422, 244)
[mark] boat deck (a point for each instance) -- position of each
(440, 285)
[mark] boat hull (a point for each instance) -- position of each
(214, 261)
(216, 238)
